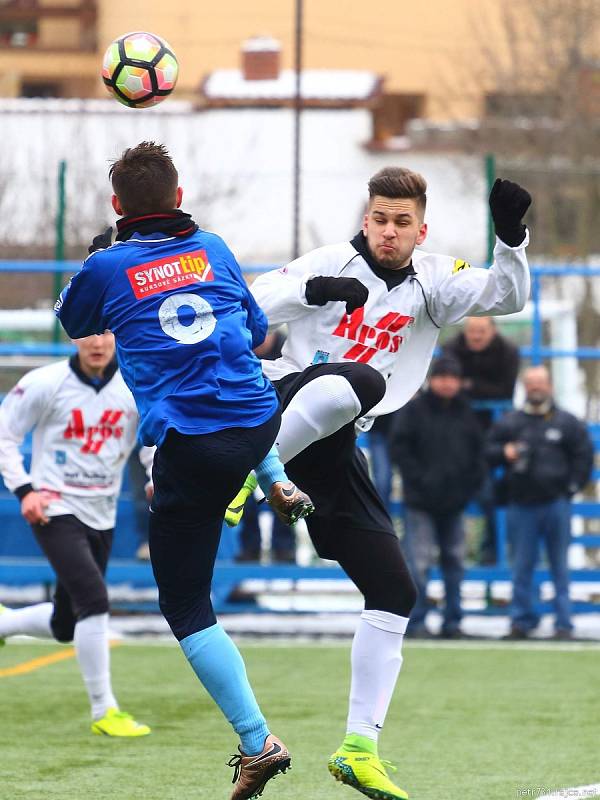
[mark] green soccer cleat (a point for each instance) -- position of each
(365, 772)
(2, 610)
(119, 723)
(235, 509)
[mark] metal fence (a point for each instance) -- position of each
(227, 575)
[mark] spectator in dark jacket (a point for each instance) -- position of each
(437, 444)
(490, 365)
(548, 456)
(489, 361)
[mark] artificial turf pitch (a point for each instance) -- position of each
(468, 722)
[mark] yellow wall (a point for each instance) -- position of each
(417, 46)
(31, 65)
(58, 33)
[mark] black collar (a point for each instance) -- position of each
(391, 277)
(95, 383)
(171, 223)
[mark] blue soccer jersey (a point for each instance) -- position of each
(185, 325)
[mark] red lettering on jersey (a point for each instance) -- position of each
(172, 272)
(350, 323)
(369, 340)
(110, 417)
(94, 436)
(393, 322)
(75, 429)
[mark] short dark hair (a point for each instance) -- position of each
(399, 182)
(145, 179)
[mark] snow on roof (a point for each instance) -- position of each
(261, 44)
(315, 84)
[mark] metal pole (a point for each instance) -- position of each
(59, 248)
(490, 177)
(536, 327)
(297, 113)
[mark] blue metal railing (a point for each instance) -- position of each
(71, 267)
(536, 351)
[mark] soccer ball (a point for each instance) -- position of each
(139, 69)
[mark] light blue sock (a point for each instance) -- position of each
(270, 470)
(219, 665)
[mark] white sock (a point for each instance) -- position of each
(376, 661)
(28, 621)
(91, 646)
(319, 409)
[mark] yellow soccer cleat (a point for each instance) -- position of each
(365, 772)
(119, 723)
(235, 509)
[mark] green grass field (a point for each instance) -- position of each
(475, 722)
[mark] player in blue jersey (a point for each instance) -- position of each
(185, 326)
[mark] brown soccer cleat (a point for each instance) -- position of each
(252, 772)
(289, 502)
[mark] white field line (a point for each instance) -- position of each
(316, 641)
(324, 641)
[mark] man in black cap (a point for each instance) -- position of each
(438, 446)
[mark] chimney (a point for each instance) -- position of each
(589, 89)
(260, 58)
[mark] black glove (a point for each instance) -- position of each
(508, 204)
(321, 290)
(102, 241)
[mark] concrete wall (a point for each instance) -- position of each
(236, 170)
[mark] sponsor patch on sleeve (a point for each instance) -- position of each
(320, 357)
(170, 273)
(459, 265)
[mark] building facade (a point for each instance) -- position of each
(55, 47)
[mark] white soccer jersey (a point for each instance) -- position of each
(397, 330)
(81, 441)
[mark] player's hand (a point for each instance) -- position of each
(508, 204)
(321, 290)
(102, 241)
(33, 508)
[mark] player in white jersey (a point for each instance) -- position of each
(342, 366)
(84, 423)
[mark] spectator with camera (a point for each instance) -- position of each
(548, 456)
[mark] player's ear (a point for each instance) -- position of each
(116, 205)
(422, 233)
(179, 197)
(365, 223)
